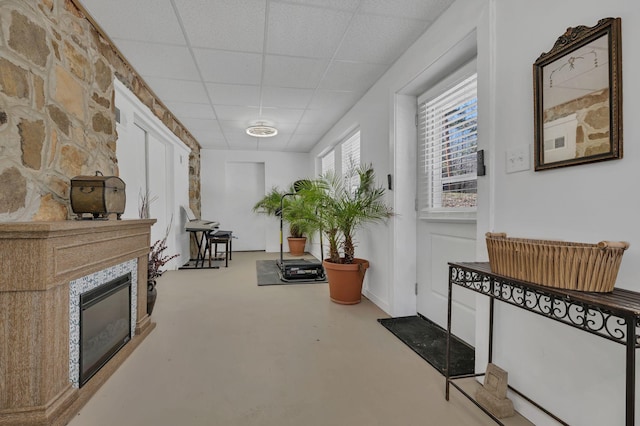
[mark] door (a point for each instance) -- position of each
(159, 189)
(438, 244)
(447, 196)
(244, 186)
(132, 158)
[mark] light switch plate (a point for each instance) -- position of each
(518, 159)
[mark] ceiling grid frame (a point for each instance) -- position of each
(302, 94)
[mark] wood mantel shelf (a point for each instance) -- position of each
(38, 260)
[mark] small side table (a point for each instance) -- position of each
(220, 237)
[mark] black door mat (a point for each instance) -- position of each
(429, 340)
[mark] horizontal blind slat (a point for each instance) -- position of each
(447, 132)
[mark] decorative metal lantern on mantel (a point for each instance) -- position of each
(97, 195)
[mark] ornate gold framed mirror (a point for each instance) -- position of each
(578, 97)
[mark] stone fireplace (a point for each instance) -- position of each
(44, 264)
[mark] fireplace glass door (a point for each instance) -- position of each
(105, 324)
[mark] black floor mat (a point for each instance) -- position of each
(429, 341)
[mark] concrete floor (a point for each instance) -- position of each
(227, 352)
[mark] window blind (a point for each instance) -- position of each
(327, 162)
(350, 151)
(447, 132)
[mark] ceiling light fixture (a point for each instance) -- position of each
(262, 130)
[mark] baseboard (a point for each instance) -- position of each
(377, 301)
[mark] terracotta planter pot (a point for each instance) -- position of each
(296, 245)
(345, 280)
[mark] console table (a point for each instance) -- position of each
(613, 316)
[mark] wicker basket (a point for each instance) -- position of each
(571, 266)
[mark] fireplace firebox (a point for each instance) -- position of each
(105, 324)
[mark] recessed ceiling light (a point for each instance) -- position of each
(262, 131)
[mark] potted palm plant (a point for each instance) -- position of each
(345, 204)
(296, 212)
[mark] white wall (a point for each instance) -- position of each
(281, 169)
(389, 145)
(577, 376)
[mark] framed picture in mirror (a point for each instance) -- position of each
(578, 97)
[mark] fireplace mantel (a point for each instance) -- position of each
(37, 262)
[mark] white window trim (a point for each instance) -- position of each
(460, 215)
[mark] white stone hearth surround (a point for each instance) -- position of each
(84, 284)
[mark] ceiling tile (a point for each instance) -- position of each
(268, 144)
(205, 124)
(252, 146)
(287, 128)
(328, 99)
(280, 97)
(379, 39)
(279, 116)
(349, 5)
(242, 114)
(159, 60)
(237, 138)
(224, 24)
(351, 76)
(427, 10)
(312, 128)
(234, 94)
(170, 90)
(304, 30)
(185, 110)
(144, 20)
(219, 66)
(215, 145)
(289, 71)
(318, 116)
(235, 131)
(304, 139)
(206, 132)
(208, 137)
(302, 145)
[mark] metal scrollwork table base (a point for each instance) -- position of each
(614, 316)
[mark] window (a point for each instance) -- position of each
(560, 138)
(327, 162)
(350, 151)
(447, 132)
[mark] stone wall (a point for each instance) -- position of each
(592, 113)
(57, 115)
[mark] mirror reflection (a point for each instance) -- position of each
(578, 97)
(576, 103)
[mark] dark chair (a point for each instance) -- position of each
(220, 237)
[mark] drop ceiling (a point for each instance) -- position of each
(299, 65)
